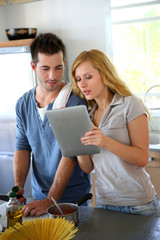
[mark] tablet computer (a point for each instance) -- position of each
(69, 125)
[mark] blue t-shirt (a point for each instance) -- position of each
(36, 136)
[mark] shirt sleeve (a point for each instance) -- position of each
(21, 139)
(135, 108)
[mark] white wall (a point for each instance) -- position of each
(80, 23)
(2, 25)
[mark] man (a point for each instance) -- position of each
(52, 174)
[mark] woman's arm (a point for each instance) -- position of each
(137, 153)
(85, 163)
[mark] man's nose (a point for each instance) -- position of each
(52, 74)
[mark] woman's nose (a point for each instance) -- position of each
(83, 83)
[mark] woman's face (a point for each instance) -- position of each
(89, 80)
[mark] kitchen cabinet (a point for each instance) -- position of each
(93, 202)
(153, 168)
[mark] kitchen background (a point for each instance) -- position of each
(83, 25)
(80, 23)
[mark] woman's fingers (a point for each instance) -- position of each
(89, 139)
(94, 127)
(93, 137)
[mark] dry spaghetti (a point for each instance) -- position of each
(41, 229)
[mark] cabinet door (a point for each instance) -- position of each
(93, 203)
(153, 168)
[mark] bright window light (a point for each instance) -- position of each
(136, 44)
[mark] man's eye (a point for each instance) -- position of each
(59, 68)
(44, 69)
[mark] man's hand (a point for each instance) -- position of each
(20, 196)
(37, 207)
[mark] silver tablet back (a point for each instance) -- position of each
(69, 125)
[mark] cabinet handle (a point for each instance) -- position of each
(150, 159)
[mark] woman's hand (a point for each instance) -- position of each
(93, 137)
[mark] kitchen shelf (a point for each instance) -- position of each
(16, 46)
(16, 43)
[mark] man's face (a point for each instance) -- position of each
(49, 69)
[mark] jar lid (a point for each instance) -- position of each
(12, 194)
(15, 189)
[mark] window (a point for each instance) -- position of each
(136, 44)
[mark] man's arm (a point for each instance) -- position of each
(62, 177)
(21, 164)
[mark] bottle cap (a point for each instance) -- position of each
(15, 189)
(12, 194)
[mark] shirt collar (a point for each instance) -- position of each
(117, 100)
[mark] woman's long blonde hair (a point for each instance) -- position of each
(108, 72)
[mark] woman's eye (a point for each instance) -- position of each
(88, 77)
(78, 79)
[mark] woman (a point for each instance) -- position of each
(120, 128)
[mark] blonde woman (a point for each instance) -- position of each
(120, 128)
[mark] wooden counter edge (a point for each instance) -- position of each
(17, 43)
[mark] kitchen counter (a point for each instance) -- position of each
(154, 147)
(104, 224)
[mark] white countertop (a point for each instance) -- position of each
(154, 147)
(3, 218)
